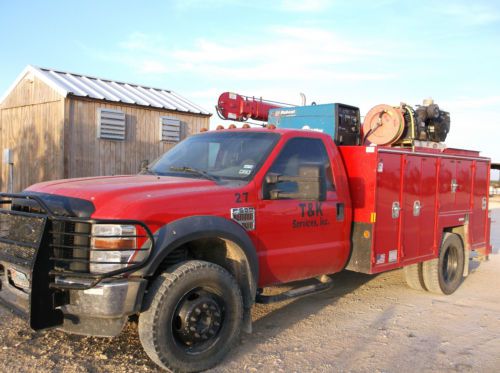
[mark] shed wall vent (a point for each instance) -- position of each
(110, 124)
(170, 129)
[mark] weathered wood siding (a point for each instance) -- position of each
(53, 137)
(31, 124)
(30, 91)
(87, 155)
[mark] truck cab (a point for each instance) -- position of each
(260, 206)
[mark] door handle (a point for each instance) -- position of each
(340, 211)
(416, 208)
(395, 210)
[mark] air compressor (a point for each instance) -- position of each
(388, 125)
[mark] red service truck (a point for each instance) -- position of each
(190, 244)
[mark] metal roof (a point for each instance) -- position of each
(104, 89)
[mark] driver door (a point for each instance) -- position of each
(298, 238)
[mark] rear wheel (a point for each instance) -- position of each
(414, 276)
(444, 274)
(193, 316)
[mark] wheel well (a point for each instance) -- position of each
(462, 232)
(223, 252)
(458, 230)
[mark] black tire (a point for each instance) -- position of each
(192, 316)
(444, 274)
(414, 276)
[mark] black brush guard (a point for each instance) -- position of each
(44, 247)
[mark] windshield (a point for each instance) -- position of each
(217, 155)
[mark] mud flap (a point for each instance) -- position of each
(467, 256)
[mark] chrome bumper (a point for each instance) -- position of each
(104, 309)
(107, 299)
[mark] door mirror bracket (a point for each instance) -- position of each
(311, 183)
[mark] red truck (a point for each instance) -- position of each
(191, 242)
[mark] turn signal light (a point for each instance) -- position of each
(113, 246)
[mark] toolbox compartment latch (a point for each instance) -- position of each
(416, 208)
(395, 210)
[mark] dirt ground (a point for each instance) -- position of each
(364, 324)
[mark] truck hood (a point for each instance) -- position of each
(86, 188)
(121, 191)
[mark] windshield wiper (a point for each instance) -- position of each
(150, 171)
(195, 171)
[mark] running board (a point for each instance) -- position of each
(294, 293)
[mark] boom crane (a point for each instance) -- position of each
(233, 106)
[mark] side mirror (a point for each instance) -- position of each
(143, 165)
(310, 183)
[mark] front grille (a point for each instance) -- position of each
(20, 236)
(69, 241)
(61, 245)
(27, 206)
(70, 244)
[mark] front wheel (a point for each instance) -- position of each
(193, 315)
(444, 274)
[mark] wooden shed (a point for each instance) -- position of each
(56, 125)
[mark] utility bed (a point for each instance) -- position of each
(403, 198)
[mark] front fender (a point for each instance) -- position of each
(176, 233)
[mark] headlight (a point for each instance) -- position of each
(113, 247)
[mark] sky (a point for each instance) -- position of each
(361, 53)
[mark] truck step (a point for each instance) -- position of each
(482, 258)
(480, 255)
(325, 283)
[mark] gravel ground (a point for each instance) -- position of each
(365, 324)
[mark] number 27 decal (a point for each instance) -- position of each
(241, 197)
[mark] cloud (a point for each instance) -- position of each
(471, 13)
(297, 53)
(305, 5)
(475, 131)
(189, 5)
(148, 66)
(206, 93)
(474, 123)
(308, 6)
(473, 102)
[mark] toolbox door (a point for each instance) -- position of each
(480, 208)
(447, 185)
(388, 210)
(419, 195)
(464, 183)
(427, 218)
(411, 197)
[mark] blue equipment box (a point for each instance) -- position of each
(340, 121)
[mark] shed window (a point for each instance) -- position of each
(110, 124)
(170, 129)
